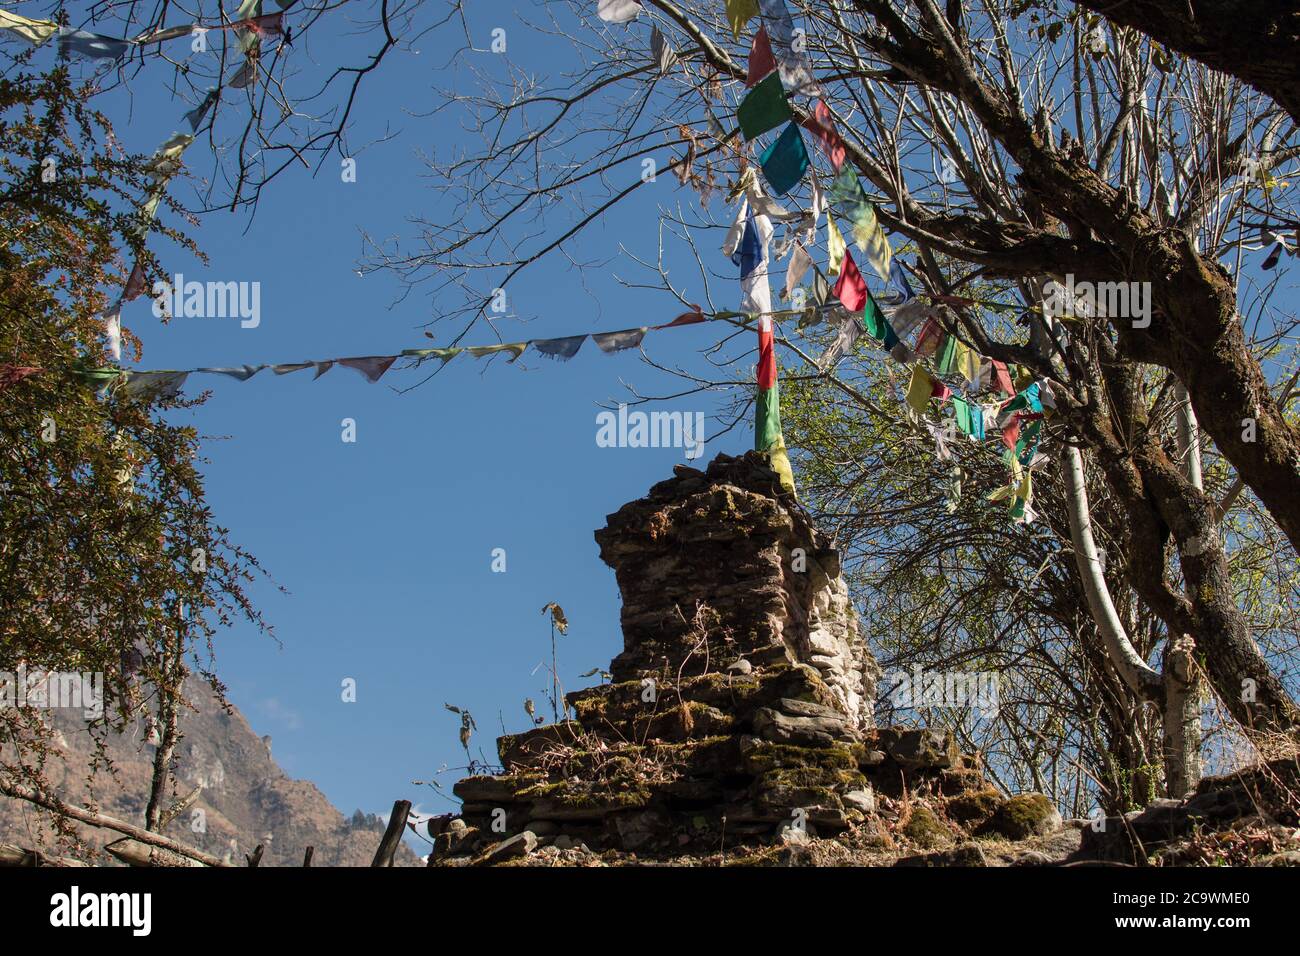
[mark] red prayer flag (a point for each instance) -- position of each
(851, 289)
(761, 60)
(1003, 377)
(822, 125)
(12, 374)
(686, 318)
(766, 354)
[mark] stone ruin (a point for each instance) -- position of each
(739, 711)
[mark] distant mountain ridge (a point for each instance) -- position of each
(247, 798)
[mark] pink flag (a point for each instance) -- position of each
(822, 125)
(761, 60)
(851, 289)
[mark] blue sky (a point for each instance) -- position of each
(385, 545)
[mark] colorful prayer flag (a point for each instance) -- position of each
(761, 60)
(785, 160)
(767, 407)
(822, 125)
(35, 32)
(740, 12)
(851, 289)
(834, 245)
(763, 108)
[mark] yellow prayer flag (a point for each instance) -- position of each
(834, 245)
(919, 390)
(739, 12)
(34, 32)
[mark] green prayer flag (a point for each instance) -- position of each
(948, 355)
(763, 108)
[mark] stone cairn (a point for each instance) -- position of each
(739, 710)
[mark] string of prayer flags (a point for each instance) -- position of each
(767, 407)
(785, 160)
(661, 52)
(618, 11)
(740, 12)
(851, 288)
(35, 32)
(761, 60)
(796, 71)
(822, 126)
(764, 108)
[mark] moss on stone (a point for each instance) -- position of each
(925, 829)
(974, 807)
(1023, 816)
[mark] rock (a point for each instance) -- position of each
(1033, 858)
(800, 731)
(1023, 816)
(967, 854)
(863, 801)
(516, 846)
(456, 839)
(793, 836)
(974, 808)
(916, 749)
(925, 829)
(741, 666)
(635, 830)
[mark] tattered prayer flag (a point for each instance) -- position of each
(662, 52)
(287, 367)
(321, 368)
(970, 418)
(834, 245)
(898, 282)
(967, 362)
(618, 341)
(1011, 432)
(919, 390)
(373, 367)
(35, 32)
(241, 372)
(751, 257)
(871, 239)
(686, 318)
(1271, 259)
(443, 355)
(736, 232)
(851, 289)
(113, 331)
(796, 70)
(767, 407)
(740, 12)
(1003, 378)
(930, 338)
(134, 283)
(947, 356)
(761, 60)
(763, 108)
(195, 116)
(785, 160)
(515, 349)
(91, 45)
(846, 338)
(845, 187)
(618, 11)
(800, 263)
(561, 349)
(156, 385)
(822, 125)
(1028, 400)
(878, 326)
